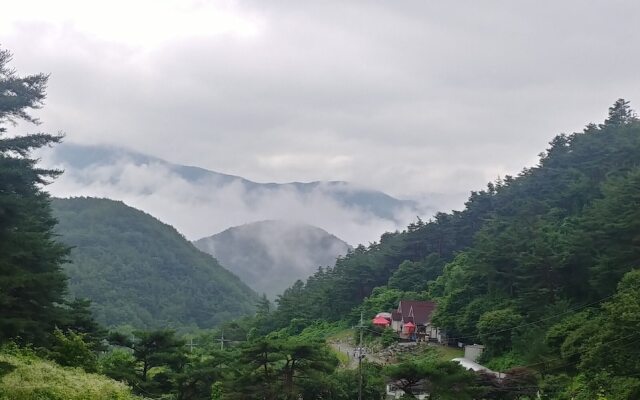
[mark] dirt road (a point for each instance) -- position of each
(351, 352)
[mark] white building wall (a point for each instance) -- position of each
(473, 351)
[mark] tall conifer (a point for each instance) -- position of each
(32, 284)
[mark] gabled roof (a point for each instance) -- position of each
(396, 316)
(418, 312)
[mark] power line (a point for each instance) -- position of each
(571, 310)
(581, 352)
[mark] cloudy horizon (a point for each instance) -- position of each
(200, 206)
(412, 100)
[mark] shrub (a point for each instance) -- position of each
(27, 377)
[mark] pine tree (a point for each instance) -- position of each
(620, 113)
(32, 284)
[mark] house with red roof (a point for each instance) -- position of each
(412, 320)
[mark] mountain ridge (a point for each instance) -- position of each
(198, 201)
(348, 194)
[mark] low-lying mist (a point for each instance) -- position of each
(207, 206)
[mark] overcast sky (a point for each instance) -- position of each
(408, 97)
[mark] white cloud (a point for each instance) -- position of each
(413, 99)
(138, 23)
(204, 208)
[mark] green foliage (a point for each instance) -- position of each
(263, 323)
(601, 346)
(217, 391)
(382, 299)
(388, 337)
(603, 386)
(605, 237)
(203, 374)
(280, 368)
(504, 361)
(555, 387)
(70, 350)
(78, 318)
(139, 271)
(496, 329)
(568, 337)
(343, 384)
(18, 95)
(443, 380)
(620, 113)
(613, 349)
(120, 365)
(320, 331)
(159, 357)
(414, 276)
(32, 378)
(31, 281)
(155, 349)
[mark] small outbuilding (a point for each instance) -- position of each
(409, 328)
(381, 322)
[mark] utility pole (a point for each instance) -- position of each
(221, 340)
(191, 345)
(360, 356)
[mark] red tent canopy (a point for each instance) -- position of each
(409, 327)
(381, 321)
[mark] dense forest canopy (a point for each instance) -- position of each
(140, 272)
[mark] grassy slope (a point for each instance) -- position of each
(449, 353)
(27, 377)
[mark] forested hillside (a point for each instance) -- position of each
(270, 255)
(532, 268)
(406, 261)
(138, 271)
(565, 229)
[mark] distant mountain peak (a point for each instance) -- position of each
(270, 255)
